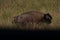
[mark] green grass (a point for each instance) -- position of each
(11, 8)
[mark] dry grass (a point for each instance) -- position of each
(10, 8)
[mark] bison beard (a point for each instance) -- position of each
(30, 17)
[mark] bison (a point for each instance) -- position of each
(32, 17)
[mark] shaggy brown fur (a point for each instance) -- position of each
(31, 16)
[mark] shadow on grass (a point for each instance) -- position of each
(27, 32)
(28, 29)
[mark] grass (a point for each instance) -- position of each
(11, 8)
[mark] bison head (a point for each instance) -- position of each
(47, 18)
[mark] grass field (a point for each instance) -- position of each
(11, 8)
